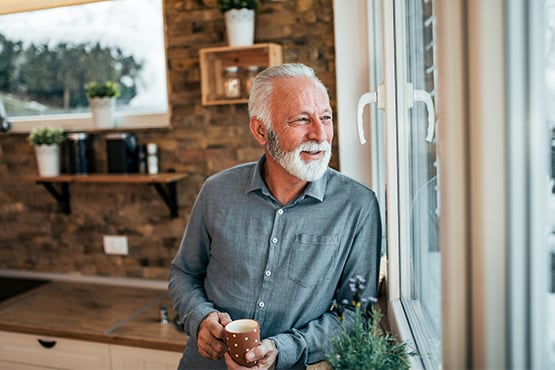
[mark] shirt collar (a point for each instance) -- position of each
(315, 189)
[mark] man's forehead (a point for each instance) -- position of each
(299, 90)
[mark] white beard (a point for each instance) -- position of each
(292, 162)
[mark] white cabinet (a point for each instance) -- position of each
(28, 351)
(134, 358)
(35, 352)
(4, 365)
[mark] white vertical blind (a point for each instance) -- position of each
(488, 182)
(453, 152)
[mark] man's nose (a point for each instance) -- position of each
(318, 130)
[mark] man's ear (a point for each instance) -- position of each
(258, 130)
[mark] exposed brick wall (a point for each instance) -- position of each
(201, 140)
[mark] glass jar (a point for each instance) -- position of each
(251, 73)
(232, 82)
(152, 158)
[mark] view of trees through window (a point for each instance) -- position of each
(44, 72)
(44, 79)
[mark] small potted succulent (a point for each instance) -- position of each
(46, 141)
(102, 100)
(108, 89)
(239, 21)
(364, 345)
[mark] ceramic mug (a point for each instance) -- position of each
(240, 337)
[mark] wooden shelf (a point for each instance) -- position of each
(214, 60)
(164, 183)
(161, 178)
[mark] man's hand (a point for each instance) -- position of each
(265, 354)
(210, 342)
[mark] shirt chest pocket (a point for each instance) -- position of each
(312, 259)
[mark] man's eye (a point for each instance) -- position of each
(326, 119)
(300, 121)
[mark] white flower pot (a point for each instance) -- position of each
(239, 24)
(48, 159)
(103, 111)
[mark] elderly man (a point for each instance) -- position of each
(276, 240)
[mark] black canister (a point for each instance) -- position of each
(79, 154)
(121, 152)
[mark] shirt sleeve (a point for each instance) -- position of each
(187, 272)
(310, 344)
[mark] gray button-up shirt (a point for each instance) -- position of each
(245, 254)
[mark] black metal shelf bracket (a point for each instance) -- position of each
(169, 196)
(168, 193)
(61, 196)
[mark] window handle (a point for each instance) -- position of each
(371, 97)
(424, 97)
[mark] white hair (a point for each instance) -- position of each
(261, 91)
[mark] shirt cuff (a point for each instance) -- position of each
(196, 317)
(291, 351)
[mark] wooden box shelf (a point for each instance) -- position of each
(164, 183)
(214, 60)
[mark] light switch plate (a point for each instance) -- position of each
(115, 244)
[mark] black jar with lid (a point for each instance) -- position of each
(78, 156)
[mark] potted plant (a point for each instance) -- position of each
(364, 345)
(102, 100)
(239, 21)
(46, 141)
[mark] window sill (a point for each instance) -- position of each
(400, 327)
(83, 122)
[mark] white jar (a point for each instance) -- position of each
(232, 82)
(152, 158)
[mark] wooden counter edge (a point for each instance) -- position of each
(95, 337)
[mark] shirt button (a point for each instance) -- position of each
(261, 304)
(274, 240)
(268, 273)
(280, 211)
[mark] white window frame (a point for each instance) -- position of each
(397, 121)
(82, 121)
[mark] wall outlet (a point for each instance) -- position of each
(115, 244)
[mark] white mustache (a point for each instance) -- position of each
(313, 146)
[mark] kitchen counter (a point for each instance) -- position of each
(121, 315)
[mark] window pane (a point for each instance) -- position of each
(44, 72)
(418, 182)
